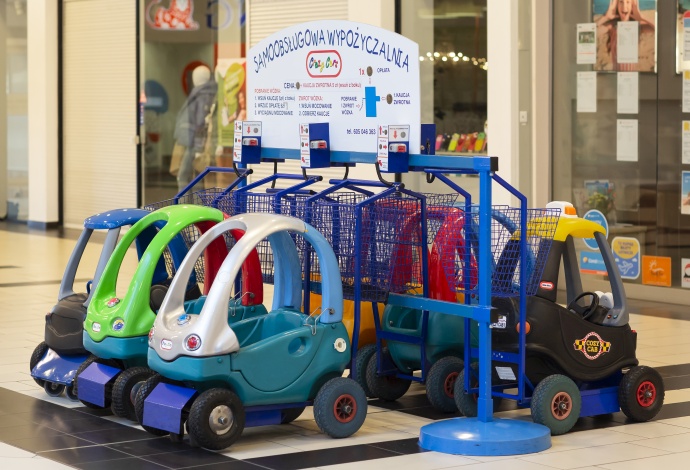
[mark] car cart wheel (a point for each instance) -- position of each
(556, 404)
(53, 389)
(340, 407)
(125, 389)
(144, 391)
(288, 415)
(69, 393)
(387, 388)
(641, 393)
(36, 357)
(361, 361)
(440, 383)
(467, 403)
(89, 360)
(216, 419)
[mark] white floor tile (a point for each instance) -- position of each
(594, 456)
(671, 461)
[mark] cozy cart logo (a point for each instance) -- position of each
(592, 345)
(324, 64)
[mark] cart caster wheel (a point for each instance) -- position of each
(340, 407)
(36, 357)
(69, 393)
(216, 419)
(556, 404)
(144, 391)
(466, 403)
(53, 389)
(124, 391)
(290, 414)
(361, 361)
(440, 383)
(387, 388)
(641, 393)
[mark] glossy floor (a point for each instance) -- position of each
(41, 432)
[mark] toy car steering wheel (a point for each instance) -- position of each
(586, 312)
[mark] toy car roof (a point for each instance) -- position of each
(114, 218)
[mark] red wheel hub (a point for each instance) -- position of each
(345, 408)
(449, 384)
(561, 406)
(646, 394)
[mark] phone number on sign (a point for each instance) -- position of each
(371, 131)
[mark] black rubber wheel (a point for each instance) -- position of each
(123, 391)
(288, 415)
(53, 389)
(641, 393)
(361, 361)
(144, 391)
(387, 388)
(69, 393)
(216, 419)
(466, 403)
(36, 357)
(556, 404)
(340, 407)
(81, 369)
(440, 383)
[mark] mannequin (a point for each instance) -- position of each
(190, 127)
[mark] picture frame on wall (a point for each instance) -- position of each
(626, 35)
(682, 24)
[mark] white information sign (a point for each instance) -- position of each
(686, 91)
(628, 92)
(626, 145)
(628, 41)
(305, 159)
(352, 75)
(586, 43)
(686, 143)
(382, 149)
(237, 143)
(586, 92)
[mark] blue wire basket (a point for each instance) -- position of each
(388, 236)
(457, 243)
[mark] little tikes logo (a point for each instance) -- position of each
(592, 345)
(324, 64)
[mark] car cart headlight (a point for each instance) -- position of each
(192, 342)
(152, 331)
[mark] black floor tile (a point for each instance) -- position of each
(48, 442)
(319, 458)
(236, 465)
(150, 446)
(128, 464)
(188, 458)
(84, 455)
(675, 370)
(94, 411)
(402, 446)
(674, 410)
(89, 424)
(597, 422)
(119, 434)
(677, 383)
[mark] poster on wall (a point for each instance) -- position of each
(656, 271)
(626, 39)
(683, 36)
(586, 43)
(626, 253)
(231, 102)
(354, 76)
(685, 193)
(685, 272)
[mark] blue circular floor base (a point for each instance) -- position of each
(469, 436)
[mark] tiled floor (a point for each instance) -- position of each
(46, 433)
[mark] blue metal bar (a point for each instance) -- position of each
(199, 177)
(238, 182)
(268, 179)
(523, 282)
(373, 184)
(401, 337)
(452, 184)
(477, 163)
(484, 402)
(479, 313)
(357, 311)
